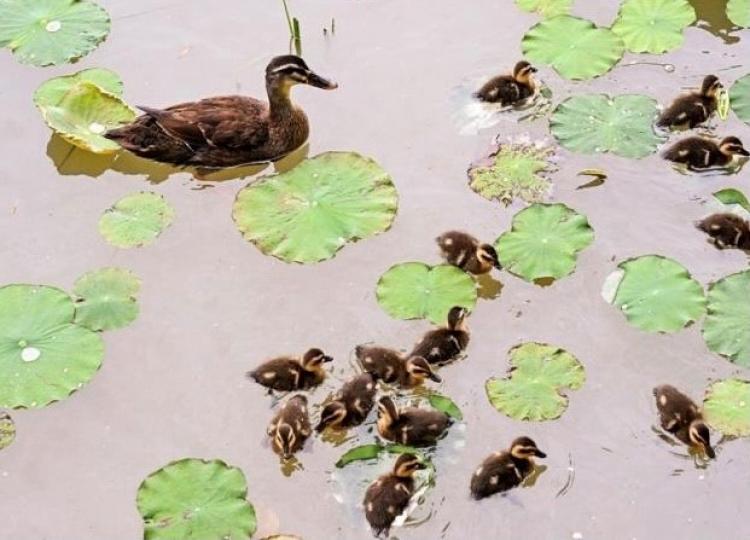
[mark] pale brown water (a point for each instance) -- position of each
(212, 305)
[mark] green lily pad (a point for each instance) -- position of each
(544, 242)
(653, 26)
(307, 214)
(194, 499)
(414, 291)
(136, 220)
(574, 47)
(7, 430)
(546, 8)
(738, 12)
(538, 375)
(359, 453)
(446, 405)
(727, 325)
(726, 407)
(106, 299)
(731, 196)
(739, 98)
(598, 123)
(51, 32)
(655, 293)
(44, 355)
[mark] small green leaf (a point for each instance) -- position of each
(106, 299)
(726, 407)
(738, 12)
(359, 453)
(136, 220)
(653, 26)
(727, 325)
(732, 196)
(546, 8)
(7, 430)
(722, 106)
(446, 405)
(739, 98)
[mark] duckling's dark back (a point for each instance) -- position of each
(385, 499)
(676, 410)
(386, 364)
(441, 345)
(497, 473)
(358, 396)
(727, 230)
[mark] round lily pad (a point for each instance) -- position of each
(51, 32)
(727, 325)
(544, 242)
(574, 47)
(414, 290)
(307, 214)
(653, 26)
(726, 407)
(738, 12)
(538, 375)
(44, 355)
(655, 293)
(194, 499)
(591, 123)
(546, 8)
(106, 298)
(739, 98)
(7, 430)
(136, 220)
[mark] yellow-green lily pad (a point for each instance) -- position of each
(136, 220)
(105, 298)
(653, 26)
(726, 407)
(727, 325)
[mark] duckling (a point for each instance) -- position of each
(226, 131)
(389, 495)
(351, 405)
(727, 230)
(505, 470)
(442, 345)
(290, 428)
(693, 108)
(412, 425)
(288, 373)
(702, 153)
(464, 251)
(510, 89)
(393, 368)
(680, 416)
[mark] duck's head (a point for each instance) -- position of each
(701, 437)
(332, 415)
(420, 369)
(314, 359)
(387, 410)
(284, 440)
(406, 465)
(487, 254)
(732, 146)
(288, 70)
(525, 448)
(523, 71)
(457, 317)
(711, 86)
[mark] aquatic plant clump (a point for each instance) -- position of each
(546, 8)
(738, 12)
(105, 299)
(7, 430)
(739, 97)
(653, 26)
(726, 329)
(726, 407)
(136, 220)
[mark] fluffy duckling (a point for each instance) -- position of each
(290, 428)
(702, 153)
(509, 89)
(505, 470)
(681, 417)
(442, 345)
(389, 495)
(393, 368)
(466, 252)
(727, 230)
(412, 426)
(693, 108)
(288, 373)
(351, 405)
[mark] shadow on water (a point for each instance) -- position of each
(712, 17)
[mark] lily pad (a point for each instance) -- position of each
(726, 407)
(136, 220)
(655, 293)
(731, 196)
(44, 355)
(598, 123)
(359, 453)
(307, 214)
(7, 430)
(575, 48)
(738, 12)
(106, 299)
(414, 291)
(727, 325)
(446, 405)
(194, 499)
(653, 26)
(544, 242)
(546, 8)
(538, 375)
(739, 98)
(51, 32)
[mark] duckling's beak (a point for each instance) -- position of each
(435, 377)
(533, 69)
(709, 451)
(420, 465)
(327, 358)
(313, 79)
(538, 453)
(742, 152)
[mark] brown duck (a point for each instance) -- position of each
(287, 373)
(693, 108)
(702, 153)
(505, 470)
(509, 89)
(392, 367)
(726, 230)
(681, 417)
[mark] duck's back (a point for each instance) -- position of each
(385, 499)
(496, 473)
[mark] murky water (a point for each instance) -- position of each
(212, 305)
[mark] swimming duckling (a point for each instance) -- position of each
(389, 495)
(727, 230)
(290, 428)
(509, 89)
(505, 470)
(442, 345)
(411, 425)
(351, 405)
(693, 108)
(393, 368)
(464, 251)
(702, 153)
(288, 373)
(680, 416)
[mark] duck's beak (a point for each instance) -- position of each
(534, 70)
(709, 451)
(327, 359)
(539, 453)
(313, 79)
(743, 152)
(435, 377)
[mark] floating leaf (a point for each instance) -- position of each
(51, 32)
(732, 196)
(538, 374)
(544, 242)
(738, 12)
(44, 355)
(591, 123)
(739, 98)
(726, 407)
(194, 499)
(359, 453)
(574, 47)
(653, 26)
(446, 405)
(722, 103)
(546, 8)
(106, 299)
(727, 325)
(599, 176)
(414, 290)
(136, 220)
(7, 430)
